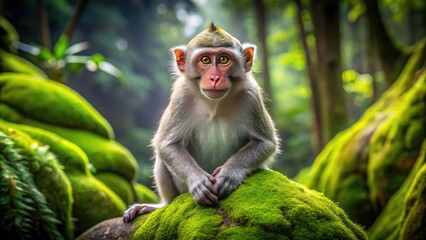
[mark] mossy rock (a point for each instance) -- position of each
(396, 143)
(8, 36)
(69, 155)
(50, 102)
(104, 154)
(93, 202)
(407, 204)
(414, 214)
(122, 187)
(364, 165)
(13, 63)
(144, 194)
(266, 206)
(49, 179)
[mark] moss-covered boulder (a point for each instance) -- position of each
(144, 194)
(70, 156)
(362, 167)
(36, 195)
(413, 220)
(50, 102)
(55, 108)
(266, 206)
(122, 187)
(13, 63)
(105, 155)
(93, 201)
(404, 217)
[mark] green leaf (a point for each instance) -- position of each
(61, 47)
(45, 54)
(112, 70)
(76, 48)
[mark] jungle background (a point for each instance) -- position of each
(135, 36)
(321, 64)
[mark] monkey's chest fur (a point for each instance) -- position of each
(214, 141)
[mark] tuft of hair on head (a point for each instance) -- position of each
(213, 27)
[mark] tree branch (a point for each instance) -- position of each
(74, 19)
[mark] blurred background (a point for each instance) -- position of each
(320, 70)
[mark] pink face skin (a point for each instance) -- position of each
(214, 65)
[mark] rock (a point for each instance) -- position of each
(266, 205)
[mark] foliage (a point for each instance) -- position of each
(62, 60)
(25, 212)
(290, 211)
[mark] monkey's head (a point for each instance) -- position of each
(215, 62)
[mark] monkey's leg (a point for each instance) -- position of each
(165, 187)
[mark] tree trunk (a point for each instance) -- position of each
(317, 139)
(391, 56)
(262, 33)
(334, 113)
(44, 24)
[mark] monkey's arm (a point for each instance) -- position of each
(255, 154)
(183, 167)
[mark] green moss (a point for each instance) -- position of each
(51, 102)
(69, 155)
(8, 35)
(248, 233)
(13, 63)
(105, 155)
(48, 176)
(365, 164)
(144, 194)
(93, 202)
(388, 224)
(267, 204)
(395, 146)
(414, 214)
(119, 186)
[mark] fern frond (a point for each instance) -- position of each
(26, 212)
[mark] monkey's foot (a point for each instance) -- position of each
(139, 209)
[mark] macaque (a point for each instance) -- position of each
(215, 130)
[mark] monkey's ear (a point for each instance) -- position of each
(249, 52)
(180, 55)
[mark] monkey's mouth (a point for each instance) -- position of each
(215, 93)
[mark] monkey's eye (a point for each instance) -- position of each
(223, 59)
(206, 60)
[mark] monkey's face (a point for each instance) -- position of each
(215, 71)
(214, 65)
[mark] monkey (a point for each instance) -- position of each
(216, 130)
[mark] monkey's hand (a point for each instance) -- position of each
(201, 190)
(226, 181)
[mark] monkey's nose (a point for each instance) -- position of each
(215, 78)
